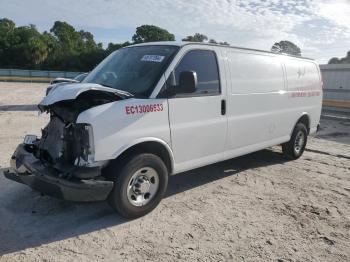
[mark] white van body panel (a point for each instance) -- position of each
(265, 96)
(304, 90)
(198, 130)
(256, 99)
(119, 125)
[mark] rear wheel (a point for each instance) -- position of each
(139, 186)
(295, 147)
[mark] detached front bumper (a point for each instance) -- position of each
(28, 170)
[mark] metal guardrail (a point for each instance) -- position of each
(17, 75)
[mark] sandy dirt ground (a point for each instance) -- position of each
(258, 207)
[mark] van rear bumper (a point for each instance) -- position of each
(28, 170)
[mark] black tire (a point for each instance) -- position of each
(118, 198)
(290, 149)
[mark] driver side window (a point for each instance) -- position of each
(204, 63)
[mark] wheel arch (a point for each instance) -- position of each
(305, 119)
(151, 145)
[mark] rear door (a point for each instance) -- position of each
(198, 122)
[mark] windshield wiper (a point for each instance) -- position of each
(121, 92)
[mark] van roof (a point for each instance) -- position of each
(183, 43)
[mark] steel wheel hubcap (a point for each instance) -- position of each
(143, 186)
(299, 142)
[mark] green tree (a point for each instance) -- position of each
(334, 60)
(36, 50)
(28, 48)
(212, 41)
(344, 60)
(63, 48)
(112, 47)
(7, 28)
(66, 35)
(151, 33)
(86, 40)
(286, 47)
(74, 50)
(197, 37)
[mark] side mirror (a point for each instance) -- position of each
(187, 82)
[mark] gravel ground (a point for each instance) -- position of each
(258, 207)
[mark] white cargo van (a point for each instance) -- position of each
(151, 110)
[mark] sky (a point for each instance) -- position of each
(321, 28)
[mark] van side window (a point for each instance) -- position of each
(204, 63)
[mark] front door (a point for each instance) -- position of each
(198, 121)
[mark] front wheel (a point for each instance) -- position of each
(139, 186)
(295, 147)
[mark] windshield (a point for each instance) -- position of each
(133, 69)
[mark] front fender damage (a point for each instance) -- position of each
(28, 170)
(61, 162)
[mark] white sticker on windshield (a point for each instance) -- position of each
(152, 58)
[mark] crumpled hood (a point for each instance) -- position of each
(72, 91)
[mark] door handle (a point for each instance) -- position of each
(223, 107)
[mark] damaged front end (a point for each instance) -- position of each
(61, 163)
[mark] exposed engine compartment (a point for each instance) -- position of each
(50, 145)
(65, 143)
